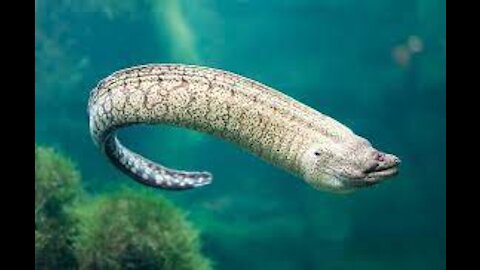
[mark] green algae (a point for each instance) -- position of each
(124, 229)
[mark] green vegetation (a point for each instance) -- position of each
(135, 230)
(57, 186)
(126, 229)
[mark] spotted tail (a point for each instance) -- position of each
(150, 173)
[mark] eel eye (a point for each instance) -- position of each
(316, 153)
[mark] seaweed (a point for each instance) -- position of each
(124, 229)
(57, 187)
(136, 230)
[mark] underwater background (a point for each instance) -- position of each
(376, 66)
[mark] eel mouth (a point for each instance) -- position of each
(382, 173)
(387, 166)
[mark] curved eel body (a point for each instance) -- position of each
(265, 122)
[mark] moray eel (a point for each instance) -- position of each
(257, 118)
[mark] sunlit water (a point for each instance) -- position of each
(376, 66)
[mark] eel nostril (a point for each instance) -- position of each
(397, 160)
(379, 156)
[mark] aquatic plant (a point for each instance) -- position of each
(57, 186)
(132, 230)
(123, 230)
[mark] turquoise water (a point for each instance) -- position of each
(376, 66)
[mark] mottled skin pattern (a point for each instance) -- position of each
(257, 118)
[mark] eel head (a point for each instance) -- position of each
(346, 165)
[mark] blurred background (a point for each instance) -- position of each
(376, 66)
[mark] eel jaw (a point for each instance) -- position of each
(385, 167)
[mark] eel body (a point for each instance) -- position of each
(257, 118)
